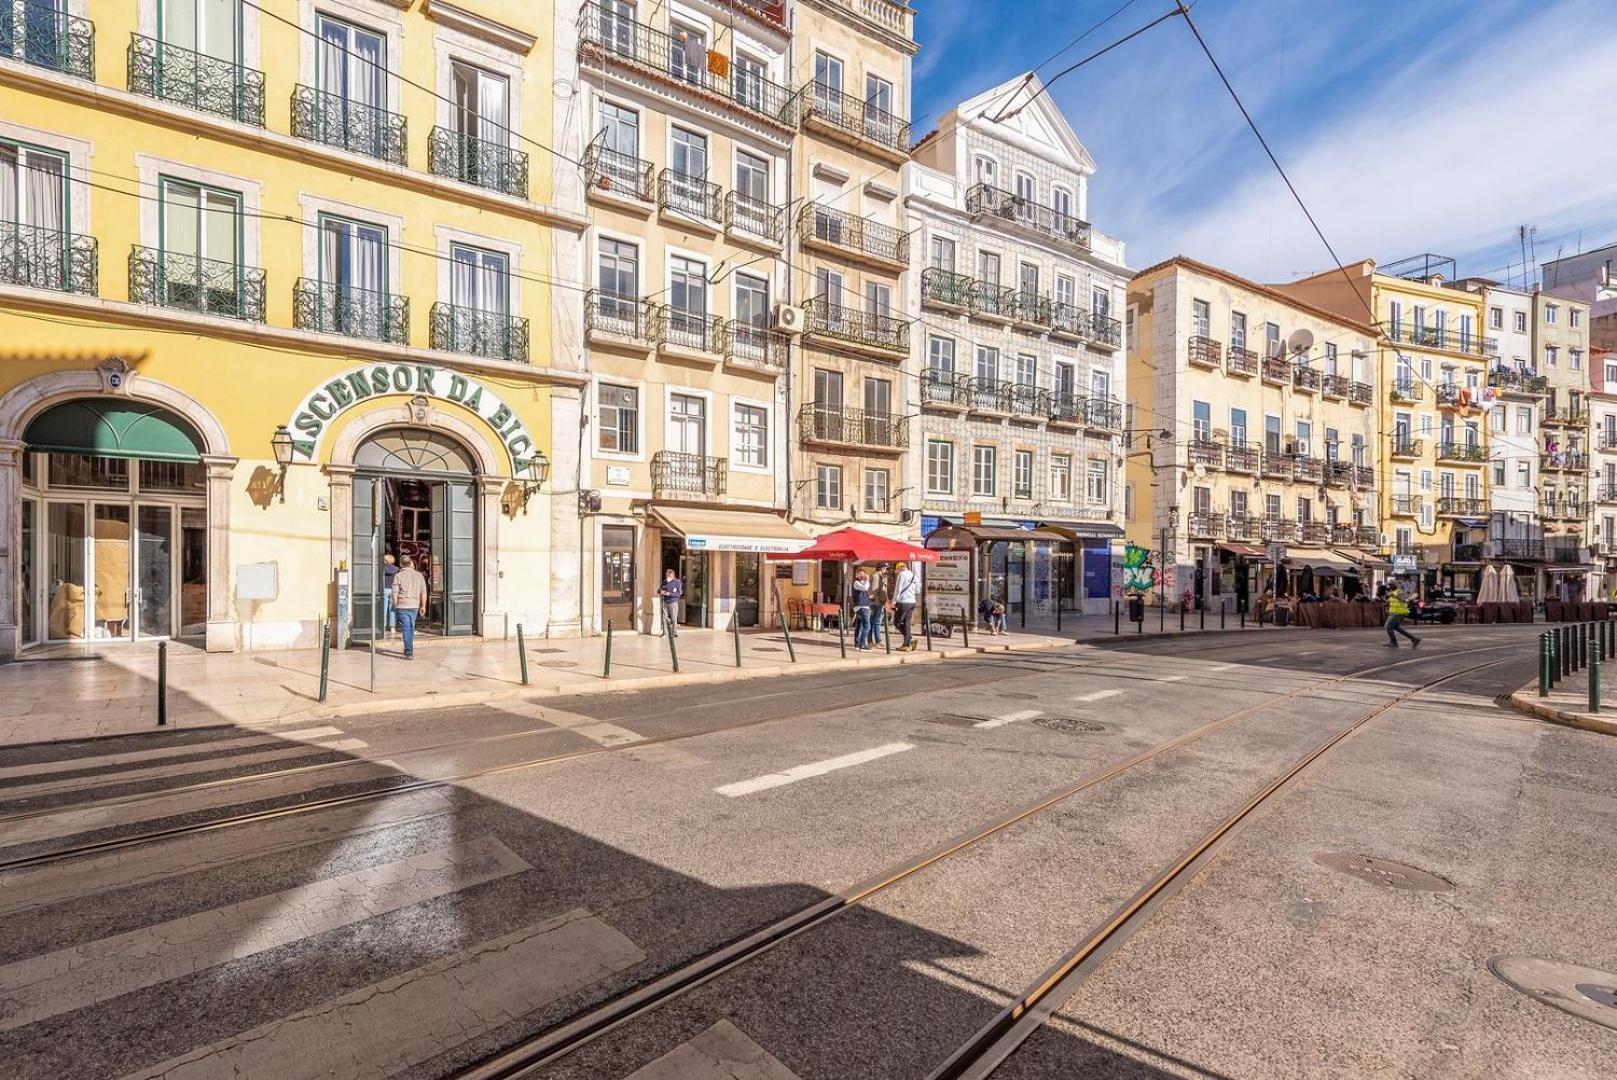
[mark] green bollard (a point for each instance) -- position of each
(787, 630)
(325, 658)
(886, 630)
(673, 650)
(842, 636)
(1555, 657)
(522, 655)
(1543, 665)
(926, 626)
(606, 668)
(1563, 647)
(735, 624)
(1594, 684)
(162, 683)
(965, 629)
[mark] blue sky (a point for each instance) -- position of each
(1407, 125)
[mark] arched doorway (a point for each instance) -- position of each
(113, 529)
(416, 494)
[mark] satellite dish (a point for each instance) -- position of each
(1300, 341)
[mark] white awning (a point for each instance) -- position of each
(732, 530)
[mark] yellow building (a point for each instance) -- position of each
(1434, 368)
(276, 291)
(1254, 436)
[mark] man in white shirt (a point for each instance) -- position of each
(906, 594)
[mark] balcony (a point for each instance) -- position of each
(37, 32)
(1361, 393)
(336, 120)
(689, 198)
(1606, 493)
(1364, 477)
(1566, 416)
(990, 396)
(1068, 410)
(1305, 379)
(1454, 396)
(746, 218)
(1442, 337)
(1031, 310)
(1335, 386)
(169, 279)
(1339, 473)
(1241, 458)
(945, 289)
(1468, 552)
(992, 301)
(1511, 381)
(853, 120)
(610, 174)
(1278, 466)
(1242, 363)
(1404, 447)
(690, 335)
(196, 80)
(1517, 548)
(1044, 221)
(1468, 453)
(1564, 461)
(613, 319)
(1030, 401)
(1608, 439)
(1343, 534)
(1276, 370)
(1308, 470)
(1068, 321)
(864, 331)
(1277, 530)
(484, 163)
(335, 308)
(1405, 547)
(833, 425)
(604, 34)
(749, 345)
(1206, 452)
(48, 259)
(1560, 551)
(474, 332)
(1366, 536)
(1462, 506)
(1204, 352)
(1205, 525)
(945, 391)
(845, 234)
(1406, 390)
(1242, 527)
(1104, 331)
(674, 474)
(1314, 533)
(1406, 506)
(1104, 416)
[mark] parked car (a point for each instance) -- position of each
(1434, 610)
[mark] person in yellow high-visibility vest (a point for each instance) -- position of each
(1397, 612)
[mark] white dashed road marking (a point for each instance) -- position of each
(817, 768)
(1224, 667)
(1172, 678)
(1001, 721)
(1098, 695)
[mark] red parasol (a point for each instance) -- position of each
(856, 545)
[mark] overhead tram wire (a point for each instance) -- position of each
(1031, 75)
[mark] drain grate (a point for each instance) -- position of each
(1394, 875)
(1067, 725)
(1585, 992)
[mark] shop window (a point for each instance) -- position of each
(182, 477)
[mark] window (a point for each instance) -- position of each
(618, 277)
(1395, 317)
(482, 112)
(940, 355)
(1064, 381)
(752, 177)
(1330, 358)
(752, 436)
(988, 267)
(1574, 318)
(828, 487)
(878, 400)
(939, 467)
(1061, 203)
(986, 170)
(1426, 425)
(1096, 486)
(1272, 507)
(1333, 444)
(687, 303)
(1305, 438)
(1201, 419)
(1100, 300)
(1237, 427)
(1238, 505)
(1305, 509)
(982, 470)
(1271, 434)
(200, 236)
(1550, 355)
(687, 54)
(620, 133)
(687, 166)
(1496, 318)
(1499, 472)
(1524, 419)
(828, 82)
(1066, 292)
(619, 418)
(876, 491)
(1028, 279)
(749, 81)
(1027, 370)
(1100, 386)
(987, 369)
(1200, 321)
(879, 94)
(828, 389)
(1498, 421)
(1022, 474)
(208, 27)
(1358, 449)
(1061, 477)
(1271, 339)
(940, 253)
(1520, 322)
(828, 286)
(687, 425)
(1026, 196)
(1574, 359)
(1237, 330)
(1426, 479)
(1611, 377)
(350, 74)
(751, 308)
(1551, 311)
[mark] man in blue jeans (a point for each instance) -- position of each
(389, 572)
(670, 593)
(409, 601)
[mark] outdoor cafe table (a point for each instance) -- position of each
(821, 612)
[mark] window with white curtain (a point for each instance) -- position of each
(482, 153)
(350, 75)
(33, 189)
(353, 277)
(480, 299)
(199, 234)
(209, 27)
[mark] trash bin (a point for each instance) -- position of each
(1136, 609)
(1282, 616)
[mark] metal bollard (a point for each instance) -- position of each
(606, 667)
(1243, 618)
(1202, 615)
(735, 624)
(1162, 615)
(1555, 657)
(1117, 619)
(162, 683)
(325, 658)
(842, 635)
(1058, 614)
(1223, 610)
(791, 651)
(673, 650)
(1594, 684)
(1583, 645)
(886, 629)
(1543, 665)
(522, 655)
(965, 628)
(926, 627)
(1563, 646)
(1181, 618)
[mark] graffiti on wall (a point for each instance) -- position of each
(1139, 575)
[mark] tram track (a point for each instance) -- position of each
(527, 1058)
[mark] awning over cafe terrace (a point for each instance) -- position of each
(732, 530)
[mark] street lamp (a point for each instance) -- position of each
(281, 444)
(538, 470)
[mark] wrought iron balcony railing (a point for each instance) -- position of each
(1563, 552)
(626, 317)
(675, 473)
(1442, 337)
(605, 33)
(832, 423)
(1104, 414)
(940, 387)
(1344, 534)
(1512, 381)
(483, 163)
(39, 32)
(333, 308)
(1035, 217)
(868, 329)
(849, 232)
(1031, 308)
(755, 218)
(188, 283)
(1405, 547)
(1029, 400)
(1243, 527)
(1305, 378)
(475, 332)
(1243, 362)
(1336, 386)
(1278, 529)
(1606, 493)
(990, 395)
(1307, 470)
(1069, 320)
(1462, 506)
(1068, 408)
(855, 117)
(1314, 533)
(1205, 352)
(1608, 439)
(696, 330)
(196, 80)
(1205, 524)
(1205, 451)
(1405, 388)
(1467, 552)
(1242, 458)
(689, 196)
(1361, 393)
(1366, 536)
(945, 288)
(1567, 416)
(1564, 460)
(336, 120)
(1451, 395)
(1405, 447)
(619, 174)
(1406, 505)
(1516, 548)
(1278, 465)
(1105, 330)
(1454, 450)
(1338, 473)
(1276, 370)
(993, 300)
(48, 259)
(1364, 477)
(756, 346)
(1562, 509)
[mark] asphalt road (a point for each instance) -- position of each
(417, 892)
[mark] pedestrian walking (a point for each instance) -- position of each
(1397, 612)
(671, 592)
(409, 601)
(389, 572)
(906, 595)
(863, 632)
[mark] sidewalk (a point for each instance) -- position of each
(1568, 701)
(76, 692)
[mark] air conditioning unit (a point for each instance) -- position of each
(790, 319)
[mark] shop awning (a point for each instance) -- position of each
(103, 427)
(1472, 523)
(1364, 560)
(732, 530)
(856, 545)
(948, 535)
(1322, 564)
(1245, 551)
(1086, 530)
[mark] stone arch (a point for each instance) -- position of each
(491, 460)
(23, 402)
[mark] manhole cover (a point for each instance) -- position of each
(558, 663)
(1586, 992)
(1394, 875)
(1067, 725)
